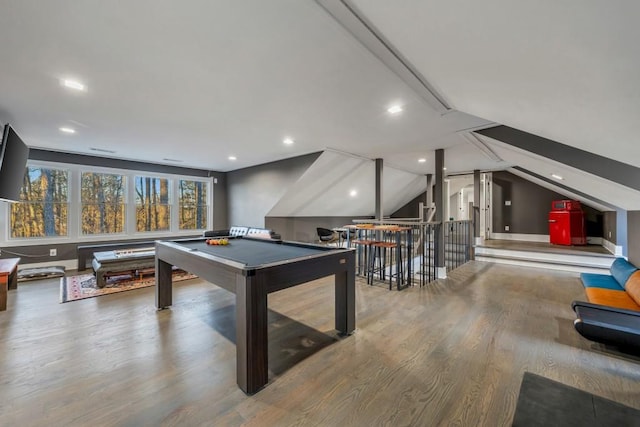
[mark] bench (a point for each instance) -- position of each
(612, 313)
(133, 261)
(85, 252)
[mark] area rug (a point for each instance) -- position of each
(73, 288)
(544, 402)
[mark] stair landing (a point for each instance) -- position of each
(580, 259)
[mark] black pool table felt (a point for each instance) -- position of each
(253, 253)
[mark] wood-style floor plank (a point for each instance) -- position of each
(451, 353)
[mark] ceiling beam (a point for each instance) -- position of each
(604, 167)
(347, 15)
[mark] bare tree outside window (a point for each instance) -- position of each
(152, 204)
(103, 203)
(43, 209)
(193, 204)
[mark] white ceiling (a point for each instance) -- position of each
(564, 70)
(201, 80)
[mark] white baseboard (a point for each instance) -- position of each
(612, 247)
(541, 238)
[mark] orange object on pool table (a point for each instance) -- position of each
(218, 242)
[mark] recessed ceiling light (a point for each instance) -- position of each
(288, 141)
(73, 84)
(67, 130)
(444, 169)
(233, 158)
(422, 160)
(558, 177)
(395, 109)
(353, 193)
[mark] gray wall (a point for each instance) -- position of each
(220, 202)
(65, 251)
(411, 209)
(633, 228)
(105, 162)
(303, 229)
(530, 206)
(612, 170)
(252, 192)
(609, 226)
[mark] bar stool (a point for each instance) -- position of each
(349, 235)
(363, 242)
(363, 247)
(379, 253)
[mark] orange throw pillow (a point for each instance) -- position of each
(633, 287)
(611, 298)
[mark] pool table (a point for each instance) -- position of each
(253, 268)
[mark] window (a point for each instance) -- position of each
(44, 204)
(103, 199)
(81, 203)
(192, 204)
(152, 204)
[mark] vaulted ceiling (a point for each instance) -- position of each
(191, 83)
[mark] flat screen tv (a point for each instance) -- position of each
(13, 161)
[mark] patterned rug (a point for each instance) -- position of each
(73, 288)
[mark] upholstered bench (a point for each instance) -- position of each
(612, 313)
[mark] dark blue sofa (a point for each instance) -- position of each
(612, 313)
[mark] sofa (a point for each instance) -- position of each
(611, 314)
(238, 231)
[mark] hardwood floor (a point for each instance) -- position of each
(452, 353)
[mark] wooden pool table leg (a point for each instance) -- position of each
(251, 333)
(164, 288)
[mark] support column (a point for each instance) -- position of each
(379, 210)
(621, 231)
(425, 209)
(476, 207)
(429, 195)
(441, 269)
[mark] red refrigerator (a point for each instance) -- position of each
(566, 223)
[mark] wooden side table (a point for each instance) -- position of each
(8, 279)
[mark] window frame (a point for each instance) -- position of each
(81, 204)
(74, 226)
(170, 204)
(209, 190)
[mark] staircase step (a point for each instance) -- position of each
(583, 262)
